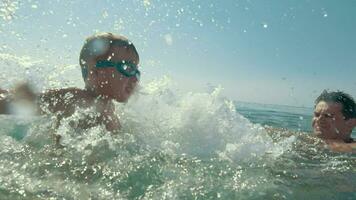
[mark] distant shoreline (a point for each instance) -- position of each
(269, 104)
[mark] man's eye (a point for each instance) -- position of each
(328, 115)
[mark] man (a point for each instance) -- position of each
(334, 118)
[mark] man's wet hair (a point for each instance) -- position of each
(347, 102)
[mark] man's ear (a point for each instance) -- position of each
(351, 123)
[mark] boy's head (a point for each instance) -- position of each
(109, 66)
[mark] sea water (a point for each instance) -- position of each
(173, 145)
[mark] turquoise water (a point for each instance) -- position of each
(293, 118)
(174, 144)
(281, 116)
(199, 148)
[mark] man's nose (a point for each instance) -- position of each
(323, 118)
(319, 118)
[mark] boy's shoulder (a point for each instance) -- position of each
(64, 91)
(66, 94)
(65, 99)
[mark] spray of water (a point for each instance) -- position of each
(173, 145)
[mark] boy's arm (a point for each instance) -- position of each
(53, 101)
(20, 100)
(3, 102)
(21, 95)
(110, 119)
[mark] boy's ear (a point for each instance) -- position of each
(93, 73)
(92, 77)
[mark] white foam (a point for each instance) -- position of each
(198, 124)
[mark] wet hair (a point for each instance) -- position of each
(98, 47)
(347, 102)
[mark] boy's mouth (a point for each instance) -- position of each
(129, 89)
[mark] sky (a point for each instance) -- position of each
(274, 52)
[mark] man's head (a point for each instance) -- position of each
(334, 115)
(104, 59)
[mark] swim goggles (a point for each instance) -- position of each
(127, 69)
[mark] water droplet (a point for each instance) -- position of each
(34, 6)
(168, 39)
(146, 3)
(105, 14)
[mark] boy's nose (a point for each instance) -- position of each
(135, 78)
(133, 81)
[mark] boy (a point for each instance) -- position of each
(109, 69)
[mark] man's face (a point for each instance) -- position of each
(329, 122)
(111, 83)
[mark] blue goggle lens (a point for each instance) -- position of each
(128, 69)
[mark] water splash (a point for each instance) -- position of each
(8, 9)
(173, 145)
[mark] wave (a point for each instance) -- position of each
(173, 145)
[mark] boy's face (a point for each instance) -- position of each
(111, 83)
